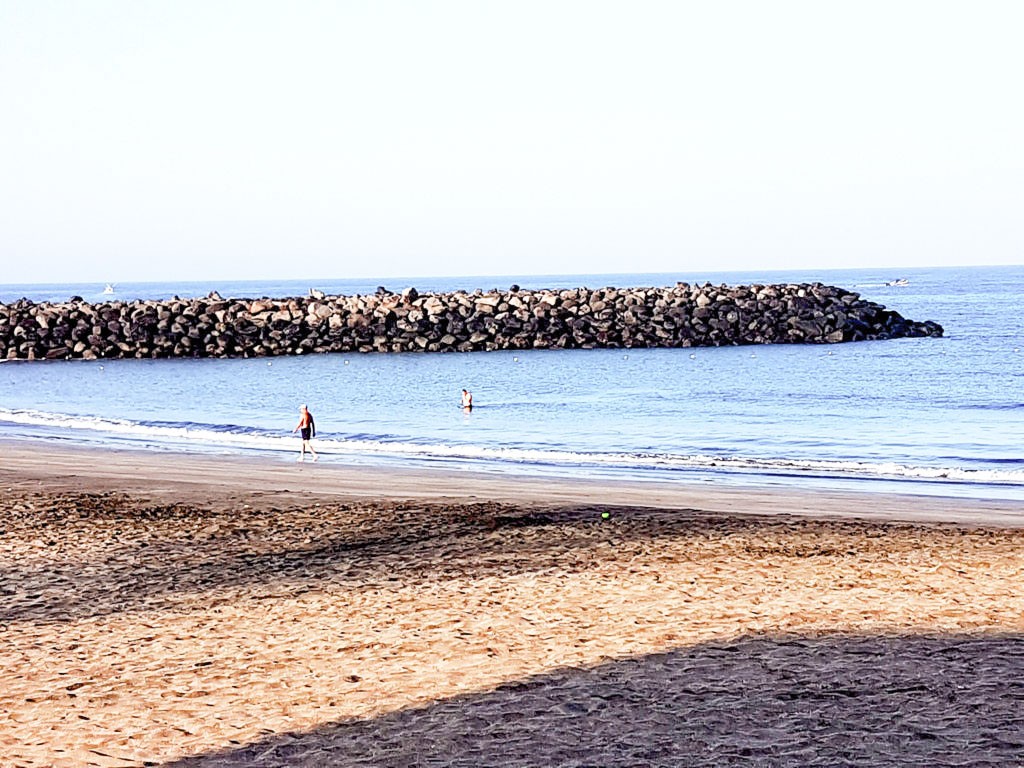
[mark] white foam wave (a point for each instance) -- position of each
(244, 438)
(642, 461)
(151, 432)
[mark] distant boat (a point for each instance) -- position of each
(109, 288)
(900, 281)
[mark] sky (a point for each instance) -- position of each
(204, 139)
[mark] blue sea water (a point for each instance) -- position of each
(941, 416)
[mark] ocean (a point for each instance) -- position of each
(924, 416)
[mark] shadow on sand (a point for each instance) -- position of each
(147, 557)
(951, 700)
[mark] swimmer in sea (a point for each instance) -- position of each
(308, 431)
(467, 400)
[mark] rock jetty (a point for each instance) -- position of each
(683, 315)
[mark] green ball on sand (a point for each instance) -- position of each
(605, 515)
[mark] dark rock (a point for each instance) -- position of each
(680, 316)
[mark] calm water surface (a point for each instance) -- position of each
(917, 415)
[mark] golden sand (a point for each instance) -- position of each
(234, 626)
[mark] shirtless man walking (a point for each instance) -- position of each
(308, 429)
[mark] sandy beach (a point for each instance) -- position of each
(182, 610)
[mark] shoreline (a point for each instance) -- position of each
(195, 476)
(798, 474)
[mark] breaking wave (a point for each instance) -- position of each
(189, 436)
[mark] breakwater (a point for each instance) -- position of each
(679, 316)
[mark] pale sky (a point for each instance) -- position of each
(175, 140)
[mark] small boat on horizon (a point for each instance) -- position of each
(898, 282)
(109, 288)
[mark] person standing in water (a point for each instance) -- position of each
(467, 400)
(308, 432)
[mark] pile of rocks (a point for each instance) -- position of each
(581, 318)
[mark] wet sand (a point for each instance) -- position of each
(196, 611)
